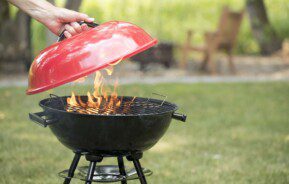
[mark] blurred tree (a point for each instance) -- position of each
(15, 45)
(263, 32)
(73, 4)
(15, 35)
(4, 10)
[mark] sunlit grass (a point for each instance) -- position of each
(235, 133)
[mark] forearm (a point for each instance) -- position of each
(37, 9)
(54, 18)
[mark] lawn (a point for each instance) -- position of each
(235, 133)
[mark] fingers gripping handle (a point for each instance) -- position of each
(90, 24)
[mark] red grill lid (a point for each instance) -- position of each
(85, 53)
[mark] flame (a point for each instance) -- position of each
(109, 70)
(72, 101)
(102, 100)
(97, 84)
(115, 63)
(90, 102)
(81, 103)
(80, 80)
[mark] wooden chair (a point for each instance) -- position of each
(223, 39)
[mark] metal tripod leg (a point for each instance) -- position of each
(139, 171)
(90, 173)
(93, 160)
(72, 168)
(135, 158)
(121, 169)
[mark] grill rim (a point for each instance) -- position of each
(173, 105)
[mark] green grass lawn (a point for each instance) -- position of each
(235, 133)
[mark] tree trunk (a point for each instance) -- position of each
(15, 40)
(4, 10)
(4, 20)
(73, 4)
(23, 22)
(262, 30)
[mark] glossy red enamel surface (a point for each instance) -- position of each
(85, 53)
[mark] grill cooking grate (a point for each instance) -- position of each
(138, 106)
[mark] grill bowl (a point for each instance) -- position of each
(108, 134)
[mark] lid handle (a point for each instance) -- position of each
(90, 24)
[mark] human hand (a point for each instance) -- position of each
(61, 19)
(54, 18)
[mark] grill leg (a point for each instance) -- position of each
(135, 158)
(93, 160)
(139, 171)
(90, 173)
(121, 169)
(72, 168)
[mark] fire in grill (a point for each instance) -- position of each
(128, 106)
(103, 101)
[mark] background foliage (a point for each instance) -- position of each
(169, 20)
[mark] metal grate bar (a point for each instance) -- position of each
(127, 107)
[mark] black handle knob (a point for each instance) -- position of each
(180, 117)
(90, 24)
